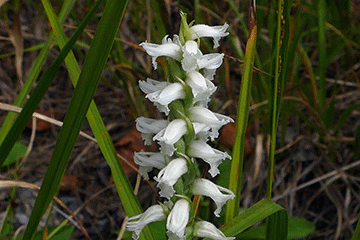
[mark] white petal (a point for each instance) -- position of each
(210, 155)
(147, 161)
(168, 49)
(207, 188)
(191, 54)
(213, 120)
(178, 219)
(148, 127)
(170, 135)
(216, 32)
(162, 98)
(151, 85)
(208, 230)
(211, 61)
(152, 214)
(169, 175)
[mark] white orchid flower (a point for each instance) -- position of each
(177, 220)
(216, 32)
(207, 188)
(170, 93)
(147, 161)
(169, 175)
(206, 229)
(210, 155)
(151, 85)
(168, 136)
(152, 214)
(191, 55)
(213, 120)
(201, 88)
(210, 62)
(149, 127)
(168, 48)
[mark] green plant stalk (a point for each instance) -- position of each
(322, 54)
(242, 121)
(34, 73)
(123, 186)
(274, 114)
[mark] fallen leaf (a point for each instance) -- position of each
(126, 146)
(228, 137)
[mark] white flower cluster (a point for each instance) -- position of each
(183, 139)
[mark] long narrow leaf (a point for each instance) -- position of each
(129, 200)
(242, 119)
(260, 211)
(77, 110)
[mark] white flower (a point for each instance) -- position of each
(208, 230)
(201, 88)
(207, 188)
(148, 127)
(168, 48)
(210, 155)
(151, 85)
(147, 161)
(170, 93)
(191, 54)
(216, 32)
(169, 175)
(201, 130)
(168, 136)
(210, 62)
(177, 220)
(152, 214)
(213, 120)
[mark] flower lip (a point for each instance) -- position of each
(147, 161)
(168, 136)
(169, 175)
(216, 32)
(208, 230)
(152, 214)
(210, 155)
(205, 187)
(168, 48)
(178, 219)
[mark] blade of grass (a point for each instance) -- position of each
(83, 94)
(322, 54)
(242, 119)
(35, 72)
(123, 186)
(258, 212)
(277, 226)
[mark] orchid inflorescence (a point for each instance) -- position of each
(183, 136)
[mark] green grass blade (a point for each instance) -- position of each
(35, 72)
(242, 120)
(87, 84)
(322, 53)
(277, 226)
(258, 212)
(35, 98)
(356, 234)
(124, 189)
